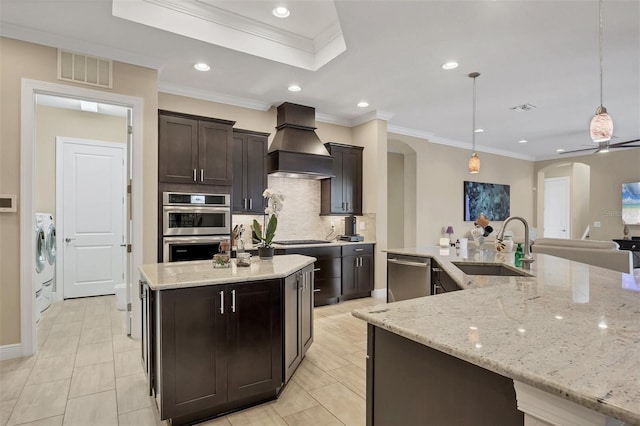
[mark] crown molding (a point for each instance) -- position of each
(332, 119)
(210, 95)
(373, 115)
(430, 137)
(36, 36)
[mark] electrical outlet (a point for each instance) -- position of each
(596, 224)
(363, 225)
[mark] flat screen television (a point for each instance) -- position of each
(631, 203)
(491, 199)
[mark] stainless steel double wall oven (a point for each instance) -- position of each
(193, 225)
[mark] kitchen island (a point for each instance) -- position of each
(567, 337)
(217, 340)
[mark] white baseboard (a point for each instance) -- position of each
(380, 293)
(10, 351)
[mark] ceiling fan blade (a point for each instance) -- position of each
(623, 143)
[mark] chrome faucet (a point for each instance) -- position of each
(527, 259)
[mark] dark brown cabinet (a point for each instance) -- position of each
(342, 194)
(357, 271)
(441, 282)
(327, 281)
(249, 171)
(217, 346)
(298, 318)
(194, 150)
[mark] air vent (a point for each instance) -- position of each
(523, 107)
(85, 69)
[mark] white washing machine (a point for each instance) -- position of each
(45, 261)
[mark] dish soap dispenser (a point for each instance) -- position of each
(518, 256)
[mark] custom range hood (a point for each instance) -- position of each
(296, 150)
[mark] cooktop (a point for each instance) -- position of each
(298, 242)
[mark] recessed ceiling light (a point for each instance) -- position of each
(451, 65)
(478, 131)
(281, 12)
(559, 150)
(363, 104)
(201, 66)
(294, 88)
(523, 141)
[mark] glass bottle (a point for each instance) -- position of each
(518, 256)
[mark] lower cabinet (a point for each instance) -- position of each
(357, 271)
(298, 318)
(218, 348)
(441, 282)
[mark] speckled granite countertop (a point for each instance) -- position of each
(329, 244)
(571, 329)
(164, 276)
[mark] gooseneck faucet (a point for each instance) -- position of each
(527, 259)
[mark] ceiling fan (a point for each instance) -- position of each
(606, 146)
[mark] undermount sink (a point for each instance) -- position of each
(483, 269)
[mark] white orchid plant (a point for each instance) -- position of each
(275, 200)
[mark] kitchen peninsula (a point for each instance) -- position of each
(221, 339)
(561, 345)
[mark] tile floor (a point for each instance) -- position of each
(88, 372)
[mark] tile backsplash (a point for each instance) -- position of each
(300, 216)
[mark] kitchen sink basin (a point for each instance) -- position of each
(483, 269)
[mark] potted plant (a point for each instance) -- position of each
(266, 233)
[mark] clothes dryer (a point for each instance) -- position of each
(45, 260)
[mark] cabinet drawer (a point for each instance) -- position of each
(327, 268)
(317, 252)
(327, 291)
(357, 249)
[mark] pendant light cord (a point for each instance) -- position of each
(600, 45)
(474, 75)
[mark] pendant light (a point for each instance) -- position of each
(601, 128)
(474, 161)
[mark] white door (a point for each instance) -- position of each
(93, 207)
(556, 207)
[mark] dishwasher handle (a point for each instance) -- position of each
(405, 263)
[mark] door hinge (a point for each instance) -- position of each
(128, 248)
(129, 130)
(128, 307)
(129, 186)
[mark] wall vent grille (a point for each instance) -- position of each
(85, 69)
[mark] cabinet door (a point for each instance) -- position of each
(337, 183)
(215, 147)
(349, 275)
(177, 149)
(306, 309)
(254, 338)
(255, 172)
(352, 180)
(193, 339)
(239, 188)
(364, 273)
(292, 335)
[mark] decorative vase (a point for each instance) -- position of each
(265, 253)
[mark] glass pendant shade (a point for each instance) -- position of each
(474, 163)
(601, 128)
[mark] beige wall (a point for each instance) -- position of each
(608, 172)
(440, 173)
(395, 199)
(26, 60)
(52, 122)
(410, 200)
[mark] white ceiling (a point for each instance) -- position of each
(530, 51)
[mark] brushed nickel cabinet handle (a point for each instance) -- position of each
(222, 302)
(194, 175)
(201, 175)
(233, 301)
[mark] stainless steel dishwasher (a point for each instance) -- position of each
(408, 277)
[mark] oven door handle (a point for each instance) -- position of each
(195, 209)
(191, 240)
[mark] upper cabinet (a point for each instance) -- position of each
(249, 171)
(194, 149)
(342, 194)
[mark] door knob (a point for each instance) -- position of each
(68, 240)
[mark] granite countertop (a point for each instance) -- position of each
(329, 244)
(164, 276)
(570, 329)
